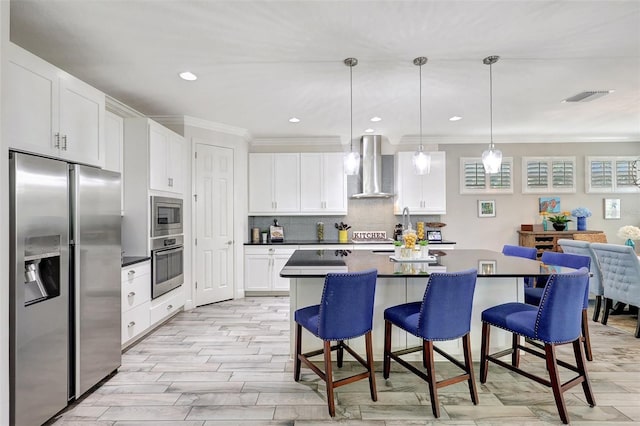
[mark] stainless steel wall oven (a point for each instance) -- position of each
(166, 216)
(167, 261)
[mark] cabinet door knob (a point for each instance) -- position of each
(169, 307)
(131, 272)
(64, 142)
(131, 324)
(131, 294)
(56, 138)
(229, 242)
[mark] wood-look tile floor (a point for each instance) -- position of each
(228, 364)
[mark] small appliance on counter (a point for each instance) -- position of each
(276, 232)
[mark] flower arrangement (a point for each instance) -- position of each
(581, 212)
(629, 232)
(562, 218)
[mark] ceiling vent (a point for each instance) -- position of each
(587, 96)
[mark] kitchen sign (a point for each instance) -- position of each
(369, 235)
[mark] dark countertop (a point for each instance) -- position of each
(316, 264)
(132, 260)
(315, 242)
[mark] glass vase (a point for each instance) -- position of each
(630, 243)
(582, 223)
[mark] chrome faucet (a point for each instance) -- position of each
(406, 218)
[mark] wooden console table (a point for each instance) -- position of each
(547, 240)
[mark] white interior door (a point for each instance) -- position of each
(214, 224)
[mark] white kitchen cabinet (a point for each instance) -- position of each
(52, 113)
(262, 266)
(423, 194)
(274, 183)
(114, 145)
(165, 159)
(166, 305)
(136, 296)
(323, 184)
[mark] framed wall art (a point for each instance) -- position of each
(612, 208)
(549, 204)
(486, 208)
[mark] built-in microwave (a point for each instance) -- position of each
(166, 216)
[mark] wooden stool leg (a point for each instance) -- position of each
(296, 359)
(582, 371)
(468, 364)
(427, 348)
(484, 351)
(515, 354)
(556, 385)
(372, 372)
(329, 378)
(340, 353)
(585, 334)
(387, 350)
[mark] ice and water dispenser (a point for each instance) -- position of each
(41, 268)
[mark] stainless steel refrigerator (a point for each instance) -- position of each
(65, 283)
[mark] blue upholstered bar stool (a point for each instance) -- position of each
(443, 314)
(533, 295)
(520, 251)
(555, 321)
(345, 312)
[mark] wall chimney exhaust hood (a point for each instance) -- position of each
(371, 168)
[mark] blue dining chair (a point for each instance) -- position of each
(443, 314)
(345, 312)
(520, 251)
(533, 295)
(556, 321)
(620, 277)
(583, 247)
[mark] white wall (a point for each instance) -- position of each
(4, 234)
(469, 231)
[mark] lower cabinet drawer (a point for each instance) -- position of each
(135, 321)
(166, 305)
(136, 292)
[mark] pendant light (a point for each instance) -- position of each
(421, 160)
(352, 159)
(492, 157)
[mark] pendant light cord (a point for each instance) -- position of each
(491, 103)
(351, 105)
(421, 147)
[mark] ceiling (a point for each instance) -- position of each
(261, 62)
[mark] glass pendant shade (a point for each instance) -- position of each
(352, 163)
(492, 160)
(421, 162)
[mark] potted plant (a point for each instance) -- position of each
(560, 221)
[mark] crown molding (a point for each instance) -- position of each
(298, 141)
(118, 108)
(203, 124)
(508, 139)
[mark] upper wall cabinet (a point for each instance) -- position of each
(147, 140)
(323, 184)
(423, 194)
(274, 183)
(114, 140)
(50, 112)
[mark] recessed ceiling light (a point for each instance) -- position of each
(376, 119)
(369, 131)
(455, 118)
(188, 75)
(294, 120)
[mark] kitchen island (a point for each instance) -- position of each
(500, 280)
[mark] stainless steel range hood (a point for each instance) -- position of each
(372, 168)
